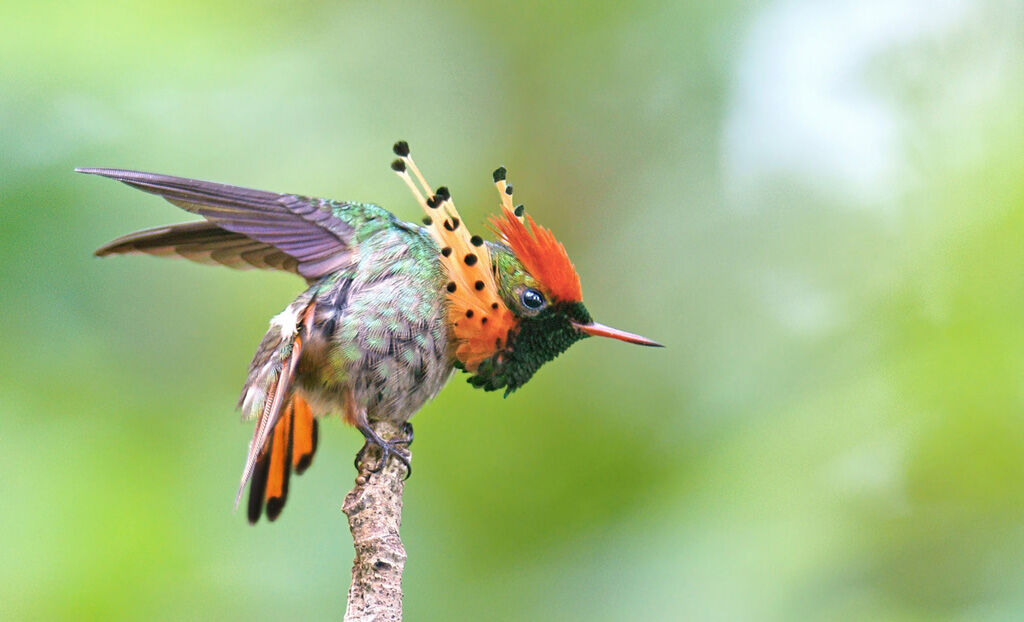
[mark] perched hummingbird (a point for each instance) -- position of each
(391, 308)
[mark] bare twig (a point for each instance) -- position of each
(374, 510)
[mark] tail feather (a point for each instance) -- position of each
(280, 464)
(258, 483)
(273, 367)
(290, 446)
(282, 417)
(304, 435)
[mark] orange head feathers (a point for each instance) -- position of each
(541, 254)
(514, 304)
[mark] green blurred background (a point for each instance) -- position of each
(817, 206)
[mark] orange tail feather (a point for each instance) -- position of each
(280, 464)
(290, 445)
(304, 435)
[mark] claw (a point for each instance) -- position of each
(387, 449)
(359, 456)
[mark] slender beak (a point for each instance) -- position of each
(600, 330)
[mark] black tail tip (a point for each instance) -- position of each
(274, 507)
(499, 174)
(401, 149)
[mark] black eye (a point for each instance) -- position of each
(532, 299)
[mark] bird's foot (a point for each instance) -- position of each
(386, 449)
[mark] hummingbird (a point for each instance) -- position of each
(390, 311)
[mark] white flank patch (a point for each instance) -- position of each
(287, 322)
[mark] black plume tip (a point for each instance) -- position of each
(518, 211)
(443, 193)
(398, 165)
(499, 174)
(401, 149)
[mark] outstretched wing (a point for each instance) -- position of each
(262, 229)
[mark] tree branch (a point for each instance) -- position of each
(374, 510)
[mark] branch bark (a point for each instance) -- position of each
(374, 510)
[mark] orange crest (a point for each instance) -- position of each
(541, 254)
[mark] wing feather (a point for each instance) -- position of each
(206, 243)
(307, 231)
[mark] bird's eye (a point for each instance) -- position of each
(532, 299)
